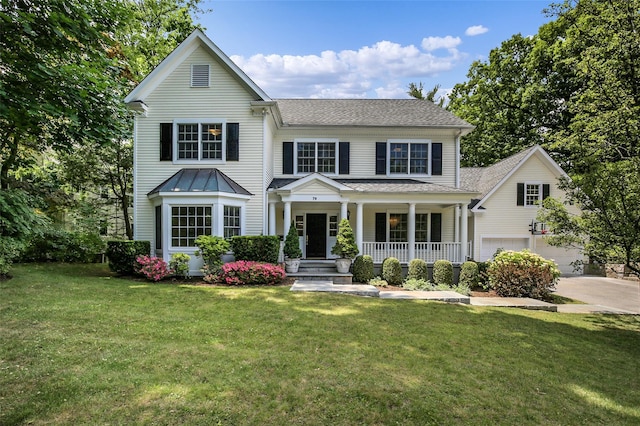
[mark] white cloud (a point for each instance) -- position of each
(435, 43)
(375, 70)
(476, 30)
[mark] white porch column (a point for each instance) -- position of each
(287, 217)
(272, 218)
(343, 210)
(456, 223)
(463, 231)
(412, 232)
(359, 226)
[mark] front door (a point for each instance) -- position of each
(316, 235)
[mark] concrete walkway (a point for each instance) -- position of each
(600, 295)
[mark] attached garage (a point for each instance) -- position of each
(562, 256)
(489, 246)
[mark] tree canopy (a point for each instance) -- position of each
(573, 88)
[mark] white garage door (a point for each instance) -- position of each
(562, 256)
(489, 246)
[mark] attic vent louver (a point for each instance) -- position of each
(200, 75)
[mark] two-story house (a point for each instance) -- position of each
(214, 154)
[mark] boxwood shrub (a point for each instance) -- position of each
(418, 270)
(256, 248)
(122, 254)
(468, 274)
(392, 271)
(363, 269)
(443, 272)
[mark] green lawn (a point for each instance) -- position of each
(78, 346)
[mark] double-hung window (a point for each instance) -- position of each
(188, 223)
(409, 157)
(231, 221)
(316, 156)
(200, 141)
(532, 194)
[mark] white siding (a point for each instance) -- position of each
(363, 148)
(175, 98)
(503, 221)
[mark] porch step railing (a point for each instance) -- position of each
(430, 252)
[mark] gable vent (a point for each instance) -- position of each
(200, 75)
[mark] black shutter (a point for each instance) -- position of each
(520, 201)
(381, 227)
(436, 159)
(158, 227)
(545, 191)
(436, 227)
(381, 158)
(166, 141)
(233, 141)
(343, 165)
(287, 158)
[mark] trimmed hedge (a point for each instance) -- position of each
(122, 254)
(363, 269)
(468, 274)
(248, 273)
(392, 271)
(443, 272)
(256, 248)
(418, 270)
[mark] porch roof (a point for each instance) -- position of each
(383, 186)
(199, 180)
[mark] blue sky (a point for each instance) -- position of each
(363, 49)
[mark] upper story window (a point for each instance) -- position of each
(316, 156)
(200, 141)
(408, 157)
(531, 194)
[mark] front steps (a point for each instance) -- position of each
(320, 270)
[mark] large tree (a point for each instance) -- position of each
(153, 29)
(602, 139)
(573, 88)
(58, 79)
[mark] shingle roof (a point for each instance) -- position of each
(200, 180)
(367, 112)
(484, 179)
(383, 185)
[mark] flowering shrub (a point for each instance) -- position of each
(523, 274)
(245, 272)
(152, 268)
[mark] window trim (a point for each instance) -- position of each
(388, 214)
(540, 194)
(409, 142)
(316, 141)
(199, 122)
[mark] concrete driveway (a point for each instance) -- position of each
(600, 294)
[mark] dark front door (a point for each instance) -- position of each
(316, 235)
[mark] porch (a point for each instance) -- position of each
(405, 252)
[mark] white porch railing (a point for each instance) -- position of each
(430, 252)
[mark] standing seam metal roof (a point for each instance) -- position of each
(200, 180)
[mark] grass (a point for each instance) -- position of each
(78, 346)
